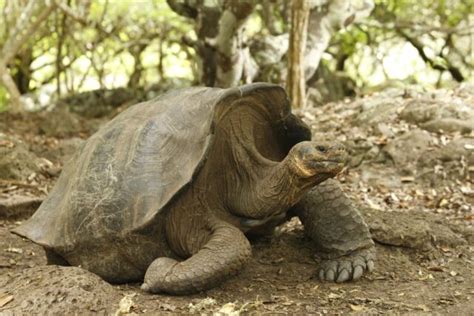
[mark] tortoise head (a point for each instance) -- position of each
(310, 159)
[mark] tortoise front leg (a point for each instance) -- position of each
(338, 230)
(221, 257)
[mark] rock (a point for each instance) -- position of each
(398, 229)
(100, 102)
(18, 206)
(376, 110)
(65, 149)
(448, 125)
(466, 89)
(405, 150)
(410, 230)
(452, 115)
(442, 235)
(384, 130)
(455, 150)
(57, 290)
(450, 161)
(380, 176)
(59, 123)
(16, 161)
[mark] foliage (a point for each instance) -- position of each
(104, 45)
(110, 43)
(425, 42)
(3, 99)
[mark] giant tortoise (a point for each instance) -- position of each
(167, 191)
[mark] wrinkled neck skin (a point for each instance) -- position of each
(261, 181)
(276, 190)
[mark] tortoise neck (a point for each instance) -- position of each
(277, 189)
(257, 179)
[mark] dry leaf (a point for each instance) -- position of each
(436, 268)
(202, 304)
(125, 305)
(334, 295)
(14, 250)
(168, 307)
(357, 308)
(467, 191)
(427, 277)
(407, 179)
(424, 308)
(443, 202)
(229, 309)
(5, 299)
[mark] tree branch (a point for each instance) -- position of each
(455, 72)
(229, 42)
(24, 29)
(324, 21)
(12, 89)
(183, 9)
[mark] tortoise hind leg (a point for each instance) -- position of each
(338, 231)
(54, 259)
(222, 256)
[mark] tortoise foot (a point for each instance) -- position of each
(349, 267)
(156, 274)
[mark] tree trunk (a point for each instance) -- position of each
(223, 60)
(327, 19)
(22, 74)
(26, 26)
(32, 16)
(9, 83)
(136, 52)
(296, 83)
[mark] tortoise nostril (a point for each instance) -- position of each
(321, 148)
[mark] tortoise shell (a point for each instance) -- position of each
(129, 170)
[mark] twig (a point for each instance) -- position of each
(18, 183)
(24, 29)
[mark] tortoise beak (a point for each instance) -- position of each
(314, 158)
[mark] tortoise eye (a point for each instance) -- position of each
(321, 148)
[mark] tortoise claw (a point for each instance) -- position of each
(358, 271)
(343, 276)
(347, 268)
(330, 275)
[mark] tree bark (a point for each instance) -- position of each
(224, 61)
(418, 45)
(22, 76)
(324, 21)
(9, 83)
(27, 24)
(296, 84)
(229, 43)
(24, 29)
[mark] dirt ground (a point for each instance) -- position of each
(412, 181)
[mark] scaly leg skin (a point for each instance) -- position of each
(339, 232)
(221, 257)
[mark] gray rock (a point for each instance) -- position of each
(449, 125)
(405, 150)
(449, 116)
(16, 161)
(377, 110)
(18, 206)
(55, 290)
(410, 230)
